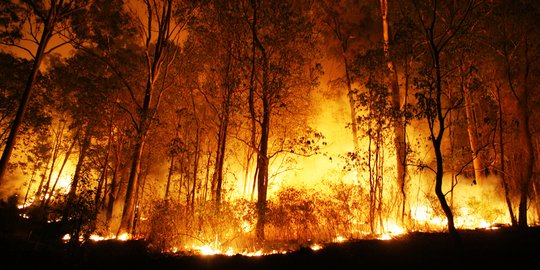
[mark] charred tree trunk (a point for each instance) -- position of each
(220, 160)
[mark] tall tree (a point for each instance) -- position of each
(282, 36)
(161, 30)
(439, 23)
(398, 106)
(514, 44)
(43, 19)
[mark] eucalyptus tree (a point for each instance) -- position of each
(348, 27)
(221, 34)
(511, 36)
(32, 26)
(13, 74)
(160, 28)
(439, 23)
(282, 36)
(376, 115)
(398, 104)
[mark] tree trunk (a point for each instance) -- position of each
(78, 168)
(66, 157)
(472, 132)
(504, 181)
(399, 134)
(127, 219)
(148, 110)
(191, 199)
(222, 139)
(48, 29)
(114, 189)
(220, 160)
(262, 174)
(104, 169)
(169, 177)
(56, 150)
(526, 161)
(437, 140)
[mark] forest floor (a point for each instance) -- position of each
(504, 248)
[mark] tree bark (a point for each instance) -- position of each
(48, 28)
(472, 131)
(147, 110)
(399, 123)
(504, 180)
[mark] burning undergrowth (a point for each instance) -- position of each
(296, 218)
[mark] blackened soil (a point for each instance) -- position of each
(505, 248)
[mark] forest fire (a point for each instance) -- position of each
(258, 128)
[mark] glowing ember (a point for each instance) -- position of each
(315, 247)
(124, 237)
(340, 239)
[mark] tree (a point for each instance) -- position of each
(44, 18)
(514, 50)
(282, 39)
(398, 104)
(439, 24)
(159, 52)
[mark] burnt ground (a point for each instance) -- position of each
(505, 248)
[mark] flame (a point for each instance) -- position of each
(308, 171)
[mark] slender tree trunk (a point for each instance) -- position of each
(104, 169)
(262, 152)
(222, 143)
(148, 110)
(262, 174)
(114, 189)
(191, 199)
(527, 161)
(220, 160)
(504, 180)
(472, 131)
(437, 140)
(126, 222)
(399, 134)
(169, 177)
(68, 153)
(56, 150)
(30, 182)
(46, 35)
(78, 168)
(251, 99)
(207, 177)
